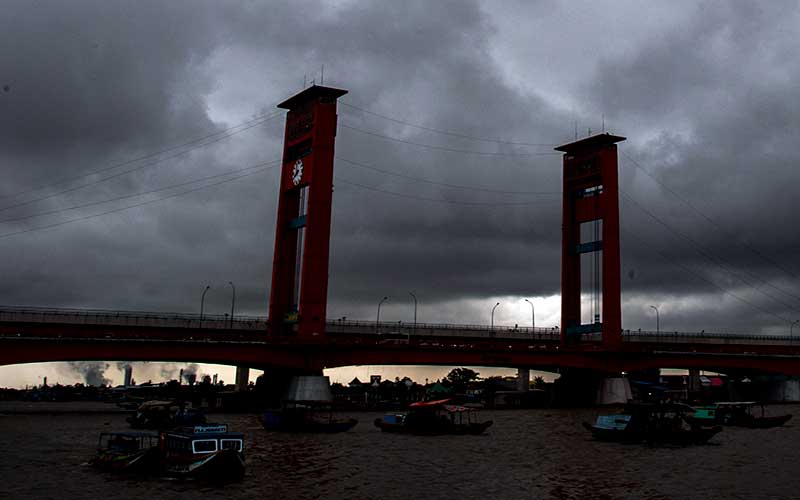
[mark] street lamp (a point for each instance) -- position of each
(415, 314)
(233, 300)
(533, 318)
(378, 319)
(492, 323)
(202, 303)
(658, 326)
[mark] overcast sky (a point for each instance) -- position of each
(108, 100)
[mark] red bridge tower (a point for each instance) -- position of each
(591, 226)
(299, 293)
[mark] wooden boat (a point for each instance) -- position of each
(432, 418)
(129, 452)
(739, 414)
(208, 451)
(654, 424)
(159, 415)
(306, 416)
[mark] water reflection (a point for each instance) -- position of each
(527, 454)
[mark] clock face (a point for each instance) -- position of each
(297, 172)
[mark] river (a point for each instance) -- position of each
(527, 454)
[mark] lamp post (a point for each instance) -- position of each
(233, 300)
(491, 327)
(378, 318)
(202, 303)
(415, 314)
(791, 328)
(658, 326)
(533, 318)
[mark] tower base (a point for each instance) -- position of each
(785, 391)
(616, 390)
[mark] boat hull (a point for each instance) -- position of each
(680, 437)
(282, 423)
(748, 422)
(140, 462)
(223, 465)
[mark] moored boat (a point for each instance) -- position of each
(129, 452)
(159, 415)
(737, 413)
(434, 418)
(306, 416)
(655, 424)
(207, 451)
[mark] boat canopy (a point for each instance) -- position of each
(156, 404)
(423, 404)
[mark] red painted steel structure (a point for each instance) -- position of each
(299, 293)
(28, 336)
(334, 351)
(591, 193)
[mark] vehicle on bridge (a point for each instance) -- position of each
(656, 424)
(737, 413)
(431, 418)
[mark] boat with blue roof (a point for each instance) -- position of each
(657, 424)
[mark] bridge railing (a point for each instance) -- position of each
(386, 329)
(129, 318)
(704, 338)
(399, 330)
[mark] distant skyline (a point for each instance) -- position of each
(138, 147)
(33, 374)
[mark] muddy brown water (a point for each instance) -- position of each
(527, 454)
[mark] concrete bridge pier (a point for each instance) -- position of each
(576, 387)
(523, 379)
(242, 378)
(309, 388)
(614, 390)
(278, 385)
(785, 391)
(128, 375)
(694, 383)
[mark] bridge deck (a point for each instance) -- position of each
(30, 335)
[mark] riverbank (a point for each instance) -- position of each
(59, 408)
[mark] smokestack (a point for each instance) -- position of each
(180, 377)
(128, 375)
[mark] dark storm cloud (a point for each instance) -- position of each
(92, 80)
(719, 115)
(708, 106)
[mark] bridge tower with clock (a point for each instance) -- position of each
(299, 292)
(590, 233)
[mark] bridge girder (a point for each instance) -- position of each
(320, 355)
